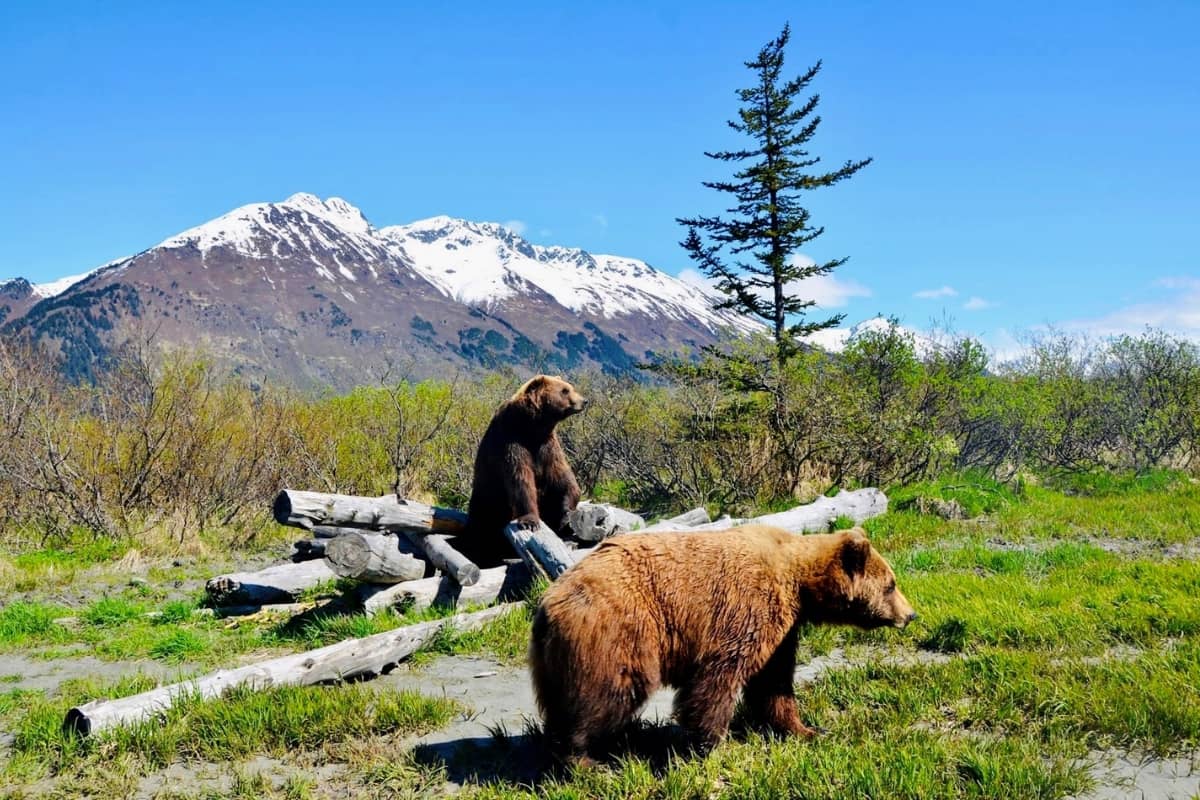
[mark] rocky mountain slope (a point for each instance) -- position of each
(309, 292)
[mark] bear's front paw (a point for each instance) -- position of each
(529, 522)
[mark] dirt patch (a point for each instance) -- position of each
(206, 780)
(1126, 776)
(1133, 548)
(496, 739)
(47, 675)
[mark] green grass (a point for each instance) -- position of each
(275, 721)
(991, 725)
(975, 492)
(180, 645)
(506, 638)
(22, 623)
(1106, 483)
(109, 612)
(1053, 625)
(1151, 518)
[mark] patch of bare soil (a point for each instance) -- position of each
(1126, 776)
(1134, 548)
(46, 675)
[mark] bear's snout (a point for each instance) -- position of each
(904, 613)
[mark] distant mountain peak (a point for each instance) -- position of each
(309, 290)
(335, 210)
(244, 228)
(16, 289)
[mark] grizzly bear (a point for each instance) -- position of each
(711, 614)
(521, 472)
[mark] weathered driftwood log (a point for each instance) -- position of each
(508, 582)
(858, 505)
(688, 519)
(540, 549)
(591, 522)
(308, 549)
(279, 584)
(441, 554)
(352, 658)
(311, 509)
(372, 557)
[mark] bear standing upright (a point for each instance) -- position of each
(711, 614)
(521, 472)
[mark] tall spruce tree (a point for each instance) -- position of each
(751, 253)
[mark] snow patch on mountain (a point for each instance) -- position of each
(301, 225)
(484, 263)
(475, 263)
(55, 288)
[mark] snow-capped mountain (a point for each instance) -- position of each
(483, 263)
(309, 290)
(18, 295)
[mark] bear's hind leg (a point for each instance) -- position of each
(769, 696)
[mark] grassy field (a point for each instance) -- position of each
(1058, 626)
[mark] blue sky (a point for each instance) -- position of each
(1039, 160)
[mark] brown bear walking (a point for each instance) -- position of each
(521, 472)
(711, 614)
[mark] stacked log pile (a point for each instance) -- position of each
(400, 554)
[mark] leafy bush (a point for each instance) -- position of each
(171, 443)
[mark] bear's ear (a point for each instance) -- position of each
(533, 384)
(856, 550)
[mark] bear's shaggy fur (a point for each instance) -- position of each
(711, 614)
(521, 472)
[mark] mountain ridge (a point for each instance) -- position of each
(310, 291)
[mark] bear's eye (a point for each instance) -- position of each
(566, 391)
(891, 588)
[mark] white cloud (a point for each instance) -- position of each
(516, 226)
(695, 278)
(1179, 282)
(1177, 314)
(836, 339)
(933, 294)
(826, 290)
(976, 304)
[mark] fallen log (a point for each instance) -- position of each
(279, 584)
(540, 549)
(591, 522)
(688, 519)
(508, 582)
(441, 554)
(370, 655)
(372, 557)
(312, 509)
(816, 517)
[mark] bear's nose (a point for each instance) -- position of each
(911, 617)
